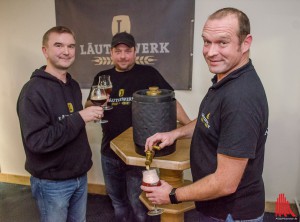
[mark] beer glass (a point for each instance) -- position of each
(98, 98)
(151, 179)
(106, 84)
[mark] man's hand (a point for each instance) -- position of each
(158, 194)
(168, 138)
(160, 139)
(91, 113)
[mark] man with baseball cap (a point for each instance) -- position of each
(123, 181)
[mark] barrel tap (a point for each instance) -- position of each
(150, 156)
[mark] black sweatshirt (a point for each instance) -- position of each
(53, 132)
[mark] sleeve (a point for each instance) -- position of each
(240, 128)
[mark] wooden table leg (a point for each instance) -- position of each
(165, 217)
(173, 177)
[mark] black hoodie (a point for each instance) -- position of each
(53, 132)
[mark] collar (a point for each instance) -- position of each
(233, 75)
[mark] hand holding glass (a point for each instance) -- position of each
(151, 179)
(98, 98)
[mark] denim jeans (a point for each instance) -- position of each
(61, 201)
(203, 218)
(122, 184)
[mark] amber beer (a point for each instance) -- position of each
(151, 184)
(98, 101)
(98, 98)
(108, 89)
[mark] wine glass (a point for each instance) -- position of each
(106, 84)
(98, 98)
(151, 179)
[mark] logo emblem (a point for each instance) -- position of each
(121, 92)
(283, 208)
(70, 106)
(120, 23)
(205, 120)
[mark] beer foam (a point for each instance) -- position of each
(98, 97)
(150, 176)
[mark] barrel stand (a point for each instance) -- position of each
(171, 169)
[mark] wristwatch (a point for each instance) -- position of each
(172, 196)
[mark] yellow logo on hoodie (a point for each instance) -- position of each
(70, 106)
(121, 92)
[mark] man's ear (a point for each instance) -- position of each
(44, 50)
(247, 43)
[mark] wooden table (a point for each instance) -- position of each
(171, 170)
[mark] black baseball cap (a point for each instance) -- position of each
(123, 38)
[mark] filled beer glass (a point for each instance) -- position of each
(98, 98)
(150, 179)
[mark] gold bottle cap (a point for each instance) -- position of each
(153, 91)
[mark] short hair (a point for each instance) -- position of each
(243, 20)
(56, 29)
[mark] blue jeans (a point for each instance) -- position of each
(61, 201)
(122, 184)
(203, 218)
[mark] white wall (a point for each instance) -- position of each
(275, 49)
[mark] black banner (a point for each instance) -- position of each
(163, 30)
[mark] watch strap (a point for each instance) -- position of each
(173, 198)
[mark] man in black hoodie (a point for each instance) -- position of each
(52, 122)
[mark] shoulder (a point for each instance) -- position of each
(32, 90)
(245, 93)
(147, 70)
(145, 67)
(34, 84)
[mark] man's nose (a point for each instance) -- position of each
(66, 50)
(213, 50)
